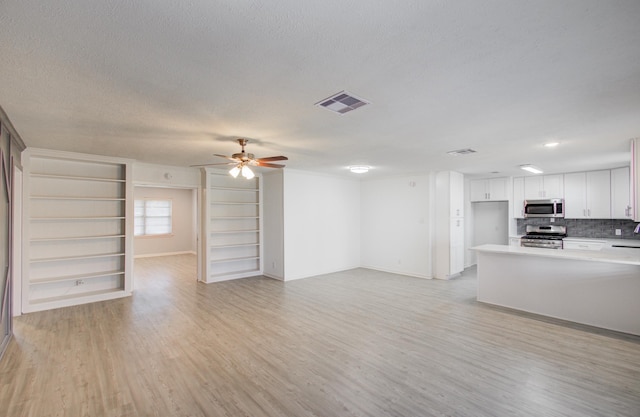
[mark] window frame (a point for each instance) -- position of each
(144, 218)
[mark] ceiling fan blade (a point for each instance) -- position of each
(273, 158)
(225, 157)
(268, 165)
(208, 165)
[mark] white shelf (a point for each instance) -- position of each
(223, 232)
(74, 277)
(236, 274)
(59, 197)
(240, 245)
(233, 189)
(53, 239)
(231, 203)
(84, 295)
(77, 218)
(234, 218)
(70, 258)
(242, 258)
(74, 177)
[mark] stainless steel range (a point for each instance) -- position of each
(544, 237)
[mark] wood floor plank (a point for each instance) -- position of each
(354, 343)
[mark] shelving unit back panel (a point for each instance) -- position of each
(56, 187)
(76, 228)
(69, 248)
(76, 288)
(234, 196)
(79, 208)
(248, 210)
(219, 269)
(71, 167)
(222, 225)
(48, 270)
(233, 239)
(221, 254)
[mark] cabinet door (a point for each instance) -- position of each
(553, 186)
(575, 195)
(620, 193)
(598, 194)
(456, 196)
(498, 189)
(478, 190)
(533, 188)
(456, 254)
(518, 198)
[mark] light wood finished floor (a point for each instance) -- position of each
(356, 343)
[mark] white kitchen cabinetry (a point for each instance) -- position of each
(544, 186)
(232, 240)
(77, 229)
(635, 179)
(449, 245)
(573, 243)
(518, 198)
(494, 189)
(621, 194)
(588, 195)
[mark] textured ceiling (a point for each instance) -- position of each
(173, 82)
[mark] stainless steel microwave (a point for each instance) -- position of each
(551, 207)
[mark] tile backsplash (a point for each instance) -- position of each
(604, 229)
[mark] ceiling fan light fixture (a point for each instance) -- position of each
(234, 171)
(247, 173)
(359, 169)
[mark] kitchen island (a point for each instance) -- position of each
(597, 288)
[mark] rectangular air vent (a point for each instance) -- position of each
(458, 152)
(342, 102)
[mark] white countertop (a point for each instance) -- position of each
(611, 255)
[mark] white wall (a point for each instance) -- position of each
(183, 238)
(322, 224)
(273, 224)
(165, 175)
(395, 226)
(490, 224)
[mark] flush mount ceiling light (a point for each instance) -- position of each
(342, 102)
(531, 168)
(459, 152)
(551, 144)
(359, 169)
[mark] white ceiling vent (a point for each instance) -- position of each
(459, 152)
(342, 102)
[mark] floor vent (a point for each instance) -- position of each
(342, 102)
(458, 152)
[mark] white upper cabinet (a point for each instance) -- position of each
(621, 194)
(588, 195)
(518, 198)
(545, 186)
(494, 189)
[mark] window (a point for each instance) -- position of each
(152, 217)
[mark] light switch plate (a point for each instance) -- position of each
(618, 232)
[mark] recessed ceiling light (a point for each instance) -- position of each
(531, 168)
(551, 144)
(359, 169)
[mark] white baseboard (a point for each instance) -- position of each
(153, 255)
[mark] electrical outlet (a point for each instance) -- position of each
(618, 232)
(79, 282)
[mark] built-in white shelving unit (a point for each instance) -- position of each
(77, 230)
(232, 228)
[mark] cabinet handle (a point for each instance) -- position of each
(589, 212)
(488, 196)
(584, 212)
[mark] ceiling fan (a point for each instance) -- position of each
(243, 160)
